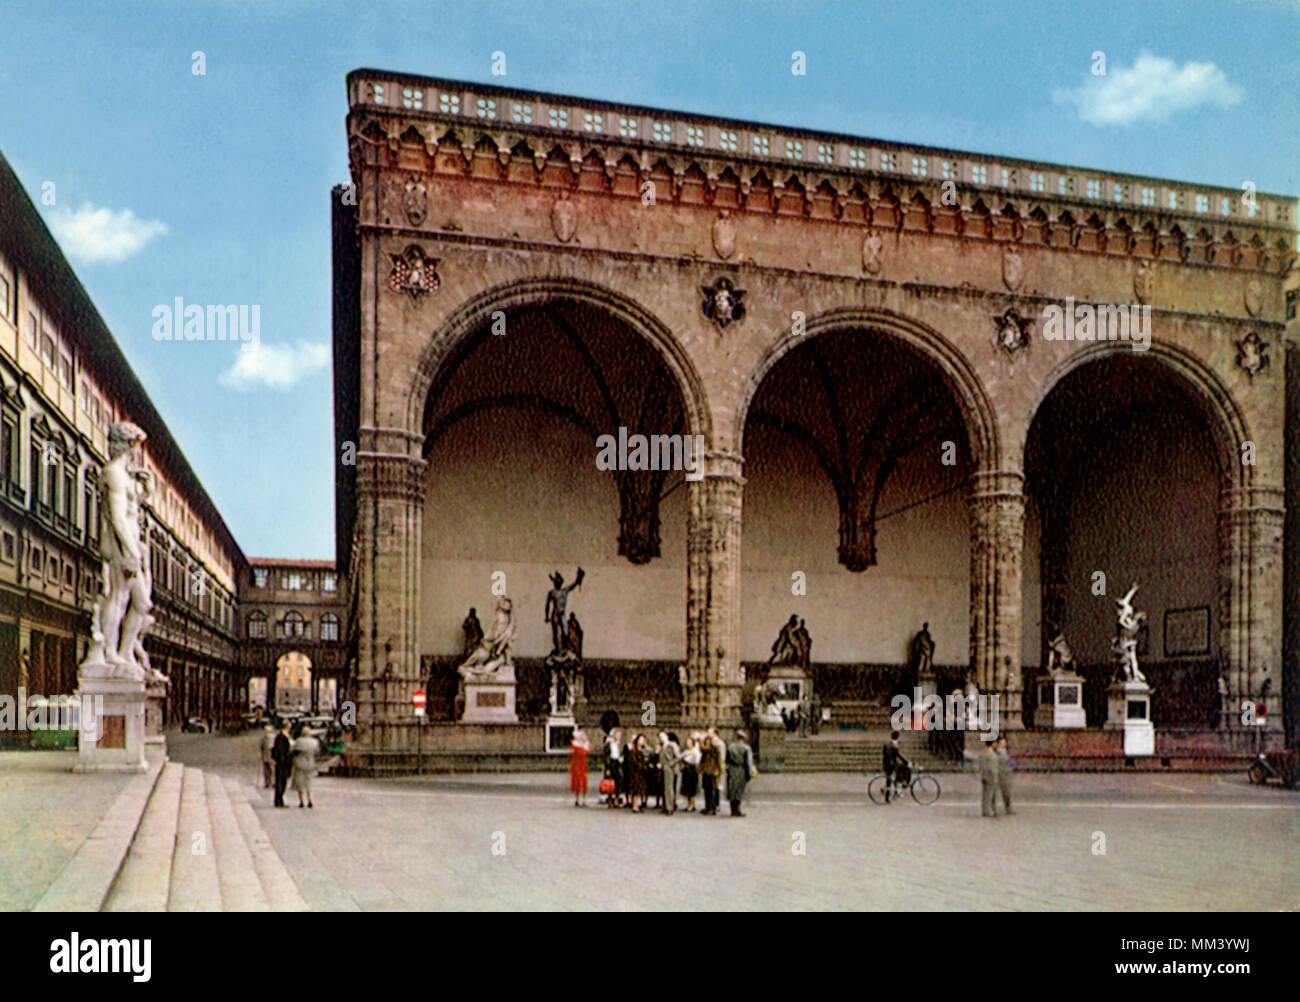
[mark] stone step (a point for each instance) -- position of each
(241, 889)
(87, 880)
(195, 885)
(145, 880)
(282, 893)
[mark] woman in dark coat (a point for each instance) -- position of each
(637, 767)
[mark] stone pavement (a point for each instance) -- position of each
(46, 813)
(1177, 842)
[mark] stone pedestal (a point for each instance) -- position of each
(155, 742)
(490, 702)
(559, 732)
(1130, 711)
(1060, 701)
(112, 737)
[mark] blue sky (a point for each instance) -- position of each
(216, 187)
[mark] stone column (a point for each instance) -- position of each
(714, 678)
(997, 512)
(386, 559)
(1250, 596)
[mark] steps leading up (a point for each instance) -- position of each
(241, 889)
(281, 892)
(195, 885)
(144, 883)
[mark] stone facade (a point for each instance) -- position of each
(470, 203)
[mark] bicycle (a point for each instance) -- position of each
(924, 788)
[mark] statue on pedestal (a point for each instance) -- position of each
(556, 599)
(491, 659)
(1059, 656)
(1130, 623)
(785, 650)
(565, 660)
(122, 613)
(923, 652)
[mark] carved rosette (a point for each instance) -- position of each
(1011, 332)
(414, 272)
(723, 302)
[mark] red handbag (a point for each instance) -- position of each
(607, 785)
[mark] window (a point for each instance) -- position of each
(293, 625)
(412, 98)
(329, 626)
(38, 562)
(727, 140)
(33, 327)
(825, 153)
(65, 370)
(88, 507)
(663, 132)
(34, 472)
(1010, 177)
(1177, 200)
(559, 118)
(329, 584)
(1094, 189)
(523, 113)
(377, 93)
(593, 121)
(1122, 192)
(47, 350)
(694, 135)
(69, 581)
(487, 108)
(1291, 298)
(888, 161)
(52, 569)
(1202, 203)
(259, 577)
(8, 548)
(627, 127)
(1036, 182)
(1065, 185)
(763, 146)
(8, 451)
(858, 158)
(4, 297)
(291, 581)
(794, 149)
(1148, 196)
(257, 625)
(69, 492)
(1225, 206)
(949, 170)
(920, 167)
(979, 173)
(449, 104)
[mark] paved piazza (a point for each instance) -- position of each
(1176, 842)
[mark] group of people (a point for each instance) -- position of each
(286, 759)
(635, 772)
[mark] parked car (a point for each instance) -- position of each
(196, 725)
(254, 718)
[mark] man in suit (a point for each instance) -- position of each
(894, 766)
(988, 781)
(740, 770)
(670, 755)
(282, 755)
(711, 752)
(268, 772)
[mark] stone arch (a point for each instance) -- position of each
(1226, 423)
(534, 291)
(972, 400)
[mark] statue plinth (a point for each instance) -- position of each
(155, 691)
(1060, 702)
(1130, 709)
(112, 737)
(490, 699)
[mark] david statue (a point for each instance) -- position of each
(123, 609)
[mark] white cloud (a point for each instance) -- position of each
(1151, 89)
(91, 235)
(275, 366)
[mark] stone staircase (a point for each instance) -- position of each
(190, 842)
(858, 751)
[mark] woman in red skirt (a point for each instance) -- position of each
(579, 746)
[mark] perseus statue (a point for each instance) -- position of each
(556, 599)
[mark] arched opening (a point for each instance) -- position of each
(1125, 461)
(519, 485)
(293, 682)
(857, 459)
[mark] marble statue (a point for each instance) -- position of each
(491, 659)
(1059, 655)
(122, 613)
(556, 599)
(1130, 623)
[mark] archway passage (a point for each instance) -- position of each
(293, 682)
(1123, 475)
(515, 489)
(856, 464)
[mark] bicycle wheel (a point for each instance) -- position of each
(1257, 773)
(876, 789)
(925, 789)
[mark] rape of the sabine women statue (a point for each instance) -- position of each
(491, 660)
(122, 614)
(1126, 643)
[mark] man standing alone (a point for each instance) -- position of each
(740, 770)
(268, 739)
(282, 755)
(1004, 772)
(988, 782)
